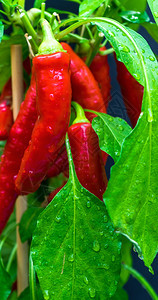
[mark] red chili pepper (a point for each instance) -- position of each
(100, 70)
(85, 89)
(132, 92)
(87, 156)
(53, 106)
(60, 164)
(6, 114)
(17, 142)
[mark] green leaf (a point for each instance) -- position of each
(152, 29)
(135, 17)
(28, 223)
(120, 294)
(5, 64)
(134, 4)
(75, 238)
(126, 259)
(154, 9)
(37, 3)
(87, 7)
(25, 295)
(131, 202)
(6, 283)
(111, 132)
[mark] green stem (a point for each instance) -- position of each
(94, 49)
(43, 6)
(11, 258)
(142, 281)
(49, 45)
(32, 279)
(25, 20)
(81, 118)
(106, 52)
(74, 38)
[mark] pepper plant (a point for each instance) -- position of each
(79, 227)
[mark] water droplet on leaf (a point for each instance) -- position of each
(92, 292)
(96, 246)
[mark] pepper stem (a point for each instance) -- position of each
(81, 118)
(49, 45)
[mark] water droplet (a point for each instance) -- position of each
(46, 295)
(85, 280)
(105, 246)
(136, 76)
(88, 204)
(152, 58)
(92, 292)
(57, 219)
(113, 258)
(156, 14)
(71, 258)
(105, 219)
(101, 233)
(125, 49)
(96, 246)
(143, 51)
(82, 237)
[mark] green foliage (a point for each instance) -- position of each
(37, 3)
(111, 132)
(5, 63)
(120, 294)
(87, 7)
(28, 223)
(76, 239)
(154, 9)
(5, 281)
(132, 202)
(135, 17)
(126, 259)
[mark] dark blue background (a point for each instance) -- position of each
(116, 108)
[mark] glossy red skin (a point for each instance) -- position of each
(101, 72)
(6, 114)
(132, 92)
(85, 89)
(17, 142)
(53, 107)
(87, 158)
(60, 164)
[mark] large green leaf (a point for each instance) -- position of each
(75, 238)
(111, 132)
(120, 294)
(87, 7)
(132, 201)
(5, 63)
(154, 9)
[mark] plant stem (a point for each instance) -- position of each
(142, 281)
(28, 26)
(81, 118)
(32, 279)
(106, 52)
(11, 257)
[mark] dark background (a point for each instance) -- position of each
(116, 108)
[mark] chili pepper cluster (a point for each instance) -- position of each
(35, 148)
